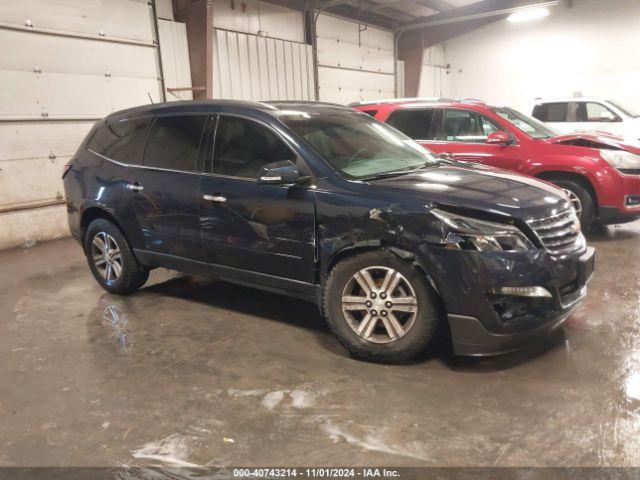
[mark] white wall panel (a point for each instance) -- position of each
(124, 19)
(247, 67)
(434, 78)
(68, 60)
(587, 48)
(254, 17)
(174, 52)
(21, 140)
(33, 225)
(355, 62)
(346, 86)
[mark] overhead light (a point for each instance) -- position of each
(528, 14)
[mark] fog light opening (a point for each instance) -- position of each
(535, 292)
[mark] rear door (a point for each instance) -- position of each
(462, 135)
(265, 229)
(165, 192)
(555, 114)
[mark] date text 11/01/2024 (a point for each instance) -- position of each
(315, 473)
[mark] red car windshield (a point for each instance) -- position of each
(529, 125)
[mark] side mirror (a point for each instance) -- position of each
(499, 138)
(284, 172)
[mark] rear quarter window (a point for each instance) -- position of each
(121, 140)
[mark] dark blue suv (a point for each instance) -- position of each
(328, 204)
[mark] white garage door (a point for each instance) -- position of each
(355, 61)
(63, 65)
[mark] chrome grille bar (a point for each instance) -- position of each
(559, 233)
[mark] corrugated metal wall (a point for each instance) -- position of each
(249, 67)
(66, 63)
(355, 61)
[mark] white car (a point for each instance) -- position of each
(569, 115)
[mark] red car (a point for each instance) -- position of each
(599, 172)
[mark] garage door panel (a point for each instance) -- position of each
(58, 54)
(21, 140)
(347, 55)
(60, 95)
(346, 86)
(33, 225)
(31, 180)
(121, 19)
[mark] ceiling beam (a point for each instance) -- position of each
(437, 5)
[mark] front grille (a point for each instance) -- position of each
(559, 233)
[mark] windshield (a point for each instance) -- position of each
(356, 145)
(529, 125)
(624, 110)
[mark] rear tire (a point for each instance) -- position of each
(393, 320)
(582, 201)
(111, 259)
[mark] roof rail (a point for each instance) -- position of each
(407, 99)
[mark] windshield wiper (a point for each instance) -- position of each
(395, 173)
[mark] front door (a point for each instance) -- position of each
(463, 134)
(165, 192)
(248, 227)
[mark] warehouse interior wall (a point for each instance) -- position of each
(576, 49)
(74, 63)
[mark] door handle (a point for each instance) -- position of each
(214, 198)
(136, 187)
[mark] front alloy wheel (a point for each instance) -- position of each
(379, 304)
(380, 307)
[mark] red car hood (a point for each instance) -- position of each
(597, 140)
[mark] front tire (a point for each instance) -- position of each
(111, 259)
(380, 307)
(581, 200)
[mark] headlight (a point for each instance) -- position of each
(472, 234)
(621, 159)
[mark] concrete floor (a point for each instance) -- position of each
(186, 372)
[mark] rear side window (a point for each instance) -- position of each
(243, 147)
(551, 112)
(122, 141)
(174, 142)
(373, 113)
(416, 124)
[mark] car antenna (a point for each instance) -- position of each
(150, 99)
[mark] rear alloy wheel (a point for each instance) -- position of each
(380, 307)
(111, 260)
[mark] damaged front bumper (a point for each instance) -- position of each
(483, 322)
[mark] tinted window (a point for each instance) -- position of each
(466, 126)
(174, 142)
(413, 123)
(551, 112)
(122, 141)
(373, 113)
(243, 147)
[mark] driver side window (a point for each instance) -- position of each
(242, 147)
(466, 126)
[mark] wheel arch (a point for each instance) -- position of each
(582, 180)
(93, 213)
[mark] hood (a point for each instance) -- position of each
(487, 189)
(597, 140)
